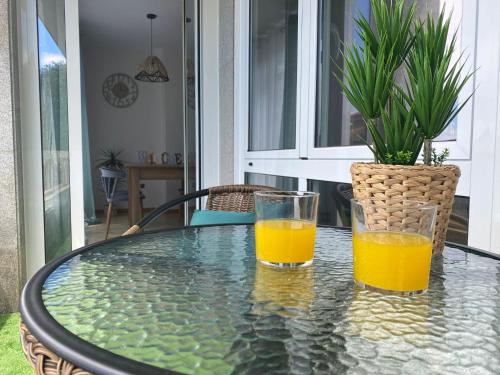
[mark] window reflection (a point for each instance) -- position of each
(334, 207)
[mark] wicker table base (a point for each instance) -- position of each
(43, 361)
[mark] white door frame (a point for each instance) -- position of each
(209, 92)
(72, 23)
(484, 226)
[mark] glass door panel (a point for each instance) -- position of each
(273, 75)
(190, 103)
(334, 204)
(279, 182)
(337, 122)
(54, 127)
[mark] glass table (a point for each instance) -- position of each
(194, 300)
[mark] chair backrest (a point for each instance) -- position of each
(345, 192)
(343, 195)
(110, 178)
(236, 198)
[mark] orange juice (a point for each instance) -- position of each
(392, 260)
(285, 241)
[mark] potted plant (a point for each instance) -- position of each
(405, 84)
(110, 159)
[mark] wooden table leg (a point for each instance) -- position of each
(134, 200)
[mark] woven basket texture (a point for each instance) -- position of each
(237, 198)
(43, 361)
(392, 184)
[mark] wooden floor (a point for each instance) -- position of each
(119, 224)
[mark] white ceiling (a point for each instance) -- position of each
(124, 23)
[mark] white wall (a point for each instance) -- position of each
(226, 91)
(152, 123)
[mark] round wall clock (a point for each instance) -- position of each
(120, 90)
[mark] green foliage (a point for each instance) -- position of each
(434, 80)
(393, 25)
(398, 135)
(369, 70)
(439, 159)
(401, 158)
(399, 119)
(368, 80)
(110, 159)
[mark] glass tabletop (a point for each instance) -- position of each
(195, 301)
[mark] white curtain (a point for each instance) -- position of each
(268, 90)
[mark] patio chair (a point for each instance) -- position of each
(110, 179)
(235, 198)
(343, 195)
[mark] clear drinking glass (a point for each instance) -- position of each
(285, 227)
(392, 244)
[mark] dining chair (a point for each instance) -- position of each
(235, 198)
(110, 179)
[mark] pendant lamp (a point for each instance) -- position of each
(152, 69)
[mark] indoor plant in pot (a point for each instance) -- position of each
(110, 159)
(405, 84)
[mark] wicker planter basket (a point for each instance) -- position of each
(392, 184)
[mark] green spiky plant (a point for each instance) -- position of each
(110, 159)
(434, 80)
(400, 119)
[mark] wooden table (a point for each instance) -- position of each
(138, 172)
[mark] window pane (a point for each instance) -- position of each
(337, 122)
(273, 74)
(449, 134)
(334, 202)
(458, 227)
(54, 126)
(279, 182)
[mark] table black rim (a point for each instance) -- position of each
(86, 355)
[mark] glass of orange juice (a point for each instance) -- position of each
(392, 244)
(285, 227)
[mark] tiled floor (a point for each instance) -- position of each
(119, 224)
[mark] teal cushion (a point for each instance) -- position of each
(207, 217)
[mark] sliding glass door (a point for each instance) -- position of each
(54, 127)
(50, 124)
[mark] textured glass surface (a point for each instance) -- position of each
(195, 301)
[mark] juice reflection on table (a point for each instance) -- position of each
(395, 261)
(399, 320)
(285, 240)
(283, 291)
